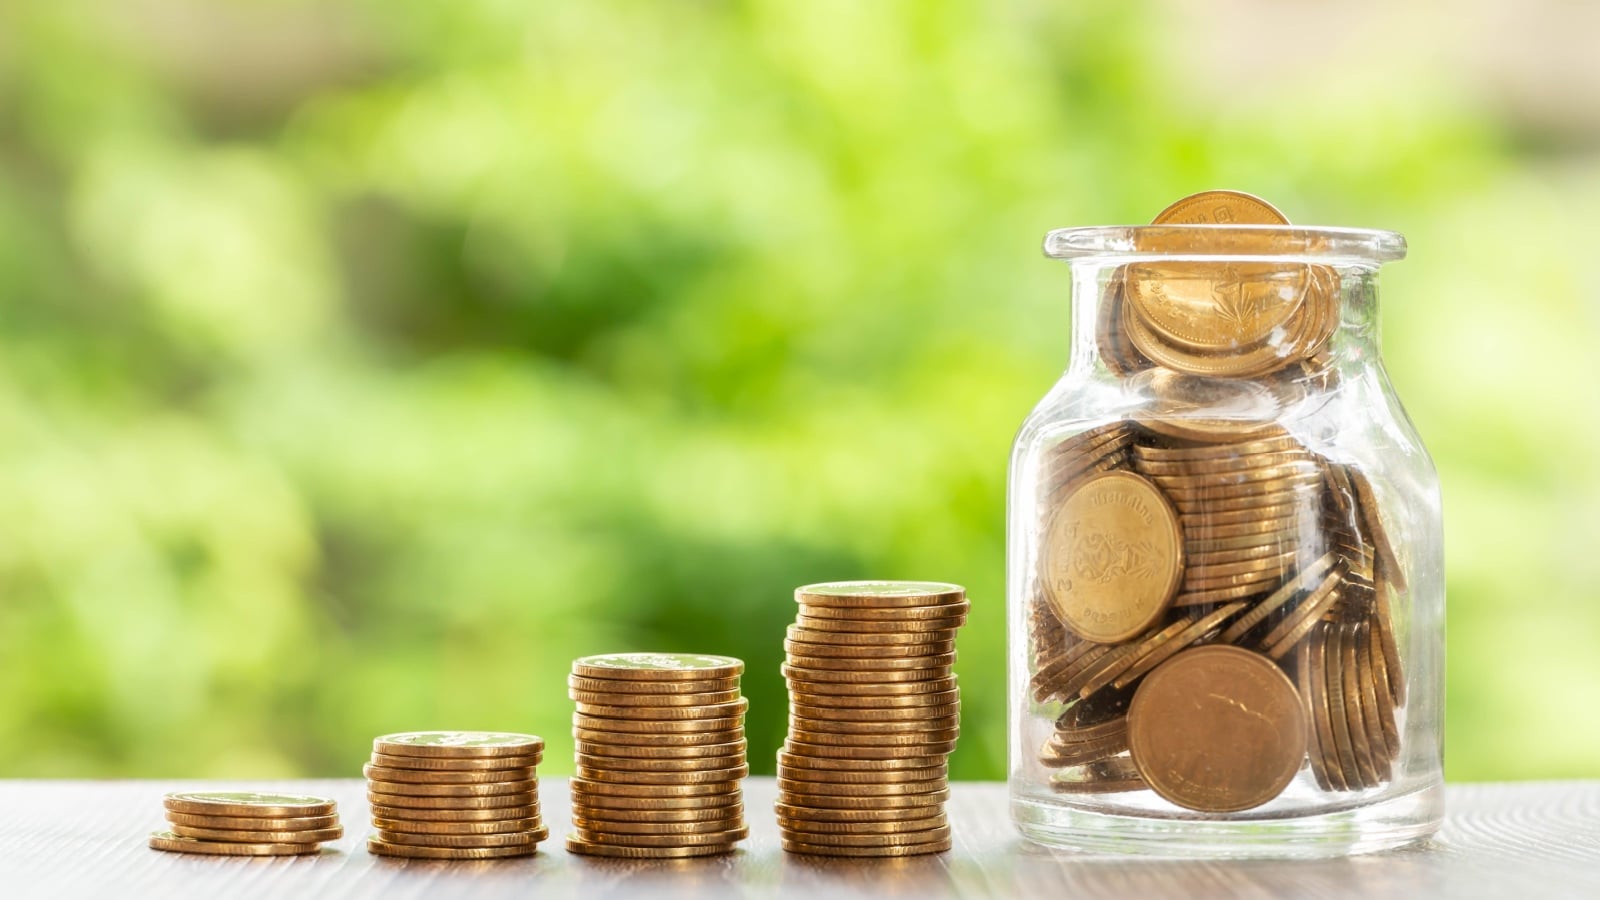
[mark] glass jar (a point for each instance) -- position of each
(1225, 564)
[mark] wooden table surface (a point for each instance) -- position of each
(76, 838)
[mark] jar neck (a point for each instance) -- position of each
(1226, 319)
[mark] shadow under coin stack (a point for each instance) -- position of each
(229, 823)
(873, 715)
(455, 794)
(660, 754)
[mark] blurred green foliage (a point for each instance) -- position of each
(362, 363)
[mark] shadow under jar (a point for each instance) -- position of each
(1225, 565)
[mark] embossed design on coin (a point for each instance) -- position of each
(1221, 208)
(1113, 557)
(1217, 729)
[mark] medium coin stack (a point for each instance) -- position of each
(241, 823)
(660, 752)
(873, 716)
(455, 794)
(1202, 522)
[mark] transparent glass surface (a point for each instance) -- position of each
(1236, 373)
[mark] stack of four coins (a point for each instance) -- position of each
(246, 823)
(660, 754)
(455, 794)
(874, 713)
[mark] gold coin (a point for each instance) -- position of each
(804, 760)
(672, 713)
(1301, 336)
(315, 836)
(887, 626)
(243, 823)
(1203, 508)
(1374, 520)
(612, 775)
(847, 743)
(621, 764)
(377, 798)
(878, 839)
(1058, 756)
(1355, 774)
(651, 752)
(1217, 729)
(1298, 623)
(815, 800)
(1188, 498)
(1098, 731)
(1110, 776)
(1305, 579)
(1261, 581)
(810, 849)
(818, 789)
(880, 593)
(614, 839)
(612, 817)
(250, 804)
(1113, 557)
(1222, 465)
(938, 773)
(1276, 565)
(1256, 551)
(1060, 490)
(1072, 447)
(1374, 768)
(875, 701)
(1050, 668)
(1211, 454)
(639, 701)
(1195, 633)
(802, 829)
(724, 826)
(380, 847)
(500, 826)
(1062, 469)
(660, 727)
(876, 640)
(618, 741)
(872, 714)
(448, 814)
(433, 776)
(1288, 526)
(490, 789)
(848, 680)
(904, 656)
(814, 817)
(912, 668)
(1380, 683)
(1314, 748)
(887, 614)
(464, 841)
(1221, 208)
(584, 848)
(582, 784)
(1322, 717)
(1208, 307)
(448, 764)
(658, 667)
(801, 722)
(593, 804)
(623, 686)
(175, 843)
(459, 744)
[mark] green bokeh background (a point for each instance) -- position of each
(362, 363)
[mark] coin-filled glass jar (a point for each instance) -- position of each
(1225, 562)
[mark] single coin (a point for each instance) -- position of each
(582, 847)
(1221, 208)
(625, 764)
(448, 764)
(876, 640)
(650, 752)
(829, 801)
(641, 701)
(380, 847)
(611, 775)
(464, 841)
(827, 763)
(609, 817)
(1321, 717)
(502, 826)
(888, 626)
(592, 804)
(814, 678)
(939, 775)
(378, 798)
(880, 593)
(448, 815)
(906, 656)
(1380, 536)
(803, 829)
(624, 686)
(176, 843)
(675, 713)
(886, 614)
(315, 836)
(614, 839)
(878, 839)
(1301, 333)
(249, 804)
(801, 722)
(661, 727)
(846, 743)
(1303, 580)
(1217, 729)
(810, 849)
(1113, 557)
(490, 789)
(582, 784)
(1195, 633)
(1314, 749)
(620, 741)
(814, 789)
(875, 701)
(243, 823)
(658, 666)
(435, 776)
(458, 744)
(601, 826)
(869, 714)
(1383, 623)
(814, 817)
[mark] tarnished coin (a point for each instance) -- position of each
(658, 666)
(576, 844)
(381, 847)
(880, 593)
(459, 744)
(176, 843)
(1113, 557)
(1217, 729)
(249, 804)
(315, 836)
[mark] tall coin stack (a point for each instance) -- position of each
(873, 715)
(247, 823)
(455, 794)
(660, 754)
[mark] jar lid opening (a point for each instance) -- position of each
(1354, 245)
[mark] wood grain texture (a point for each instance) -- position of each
(70, 839)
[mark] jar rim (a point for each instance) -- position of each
(1353, 245)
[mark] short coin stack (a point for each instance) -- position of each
(240, 823)
(455, 794)
(660, 749)
(873, 715)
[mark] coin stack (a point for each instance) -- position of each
(239, 823)
(455, 794)
(1200, 522)
(660, 752)
(873, 716)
